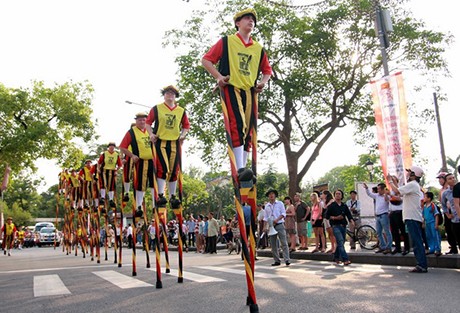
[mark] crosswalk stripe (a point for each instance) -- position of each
(239, 272)
(49, 285)
(193, 277)
(120, 280)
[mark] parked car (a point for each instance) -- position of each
(47, 235)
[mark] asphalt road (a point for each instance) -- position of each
(48, 280)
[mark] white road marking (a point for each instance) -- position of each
(120, 280)
(49, 285)
(192, 276)
(239, 272)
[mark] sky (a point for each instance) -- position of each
(117, 46)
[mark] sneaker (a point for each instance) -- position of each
(405, 252)
(418, 269)
(276, 264)
(139, 212)
(288, 263)
(161, 201)
(126, 197)
(175, 203)
(379, 250)
(386, 251)
(395, 251)
(245, 174)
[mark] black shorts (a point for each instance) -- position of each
(318, 223)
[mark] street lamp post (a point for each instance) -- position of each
(370, 167)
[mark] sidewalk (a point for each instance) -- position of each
(370, 257)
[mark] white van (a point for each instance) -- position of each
(39, 226)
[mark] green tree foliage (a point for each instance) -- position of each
(20, 216)
(45, 122)
(323, 58)
(23, 194)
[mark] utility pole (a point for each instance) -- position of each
(382, 25)
(441, 140)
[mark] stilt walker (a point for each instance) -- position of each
(167, 125)
(241, 59)
(142, 157)
(178, 212)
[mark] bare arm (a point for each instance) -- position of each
(457, 205)
(222, 81)
(134, 157)
(6, 177)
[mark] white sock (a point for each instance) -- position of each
(126, 185)
(172, 188)
(103, 193)
(238, 152)
(139, 198)
(245, 158)
(161, 185)
(111, 195)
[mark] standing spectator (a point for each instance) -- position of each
(447, 223)
(276, 213)
(222, 228)
(317, 223)
(152, 235)
(431, 223)
(448, 206)
(129, 236)
(191, 230)
(200, 235)
(290, 224)
(8, 235)
(302, 215)
(338, 213)
(262, 230)
(205, 234)
(326, 200)
(382, 220)
(213, 231)
(354, 205)
(398, 229)
(412, 213)
(456, 211)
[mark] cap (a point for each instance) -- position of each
(88, 161)
(9, 218)
(111, 144)
(245, 12)
(172, 88)
(270, 191)
(416, 170)
(441, 175)
(141, 114)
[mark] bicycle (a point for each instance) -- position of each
(366, 235)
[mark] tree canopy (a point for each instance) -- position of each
(323, 57)
(45, 122)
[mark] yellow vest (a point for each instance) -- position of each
(143, 143)
(9, 229)
(244, 62)
(88, 175)
(110, 160)
(20, 234)
(169, 122)
(75, 181)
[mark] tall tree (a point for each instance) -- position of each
(323, 58)
(45, 122)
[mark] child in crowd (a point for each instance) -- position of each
(431, 221)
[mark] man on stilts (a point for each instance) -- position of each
(241, 59)
(109, 162)
(170, 126)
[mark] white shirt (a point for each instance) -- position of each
(275, 210)
(130, 231)
(412, 209)
(381, 203)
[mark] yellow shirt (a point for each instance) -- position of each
(110, 160)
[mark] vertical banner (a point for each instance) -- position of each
(390, 110)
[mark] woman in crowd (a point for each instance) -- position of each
(326, 200)
(317, 223)
(290, 223)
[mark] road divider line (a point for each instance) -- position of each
(120, 280)
(49, 285)
(193, 277)
(239, 272)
